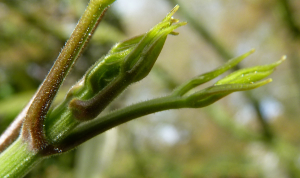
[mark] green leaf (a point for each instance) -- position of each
(181, 90)
(250, 75)
(243, 79)
(212, 94)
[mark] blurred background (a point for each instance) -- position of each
(246, 134)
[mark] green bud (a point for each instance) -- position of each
(244, 79)
(127, 62)
(133, 58)
(181, 90)
(141, 59)
(212, 94)
(250, 75)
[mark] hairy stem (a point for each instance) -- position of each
(118, 117)
(33, 125)
(17, 160)
(33, 119)
(14, 129)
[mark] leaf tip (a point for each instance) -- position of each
(283, 58)
(269, 80)
(172, 12)
(175, 9)
(183, 23)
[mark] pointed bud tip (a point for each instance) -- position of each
(175, 9)
(269, 80)
(261, 83)
(252, 50)
(243, 56)
(249, 52)
(183, 23)
(283, 58)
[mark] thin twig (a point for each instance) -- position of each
(292, 26)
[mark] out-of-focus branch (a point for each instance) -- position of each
(289, 18)
(204, 33)
(219, 115)
(37, 21)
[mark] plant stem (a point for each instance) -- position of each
(33, 122)
(14, 129)
(101, 124)
(17, 160)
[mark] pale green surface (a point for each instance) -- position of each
(249, 75)
(211, 75)
(17, 160)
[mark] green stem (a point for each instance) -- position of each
(104, 123)
(17, 160)
(34, 120)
